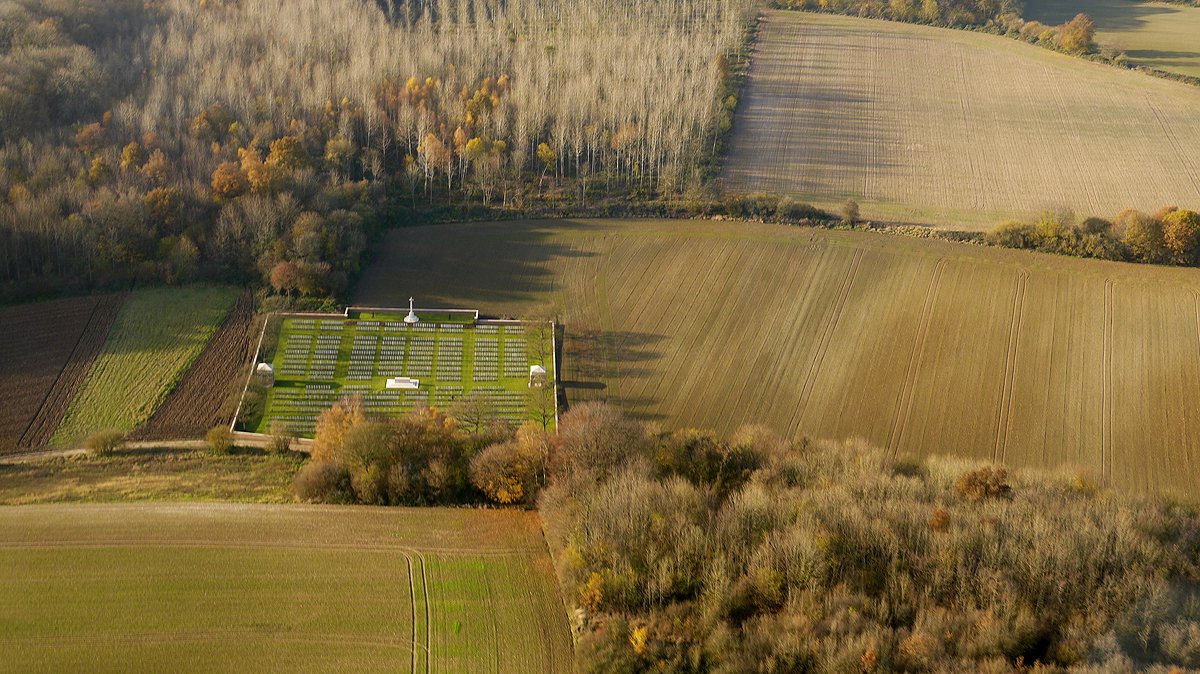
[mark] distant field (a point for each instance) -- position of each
(955, 128)
(243, 588)
(46, 350)
(156, 336)
(1155, 34)
(920, 346)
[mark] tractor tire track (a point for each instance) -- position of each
(1106, 386)
(810, 377)
(904, 401)
(1004, 413)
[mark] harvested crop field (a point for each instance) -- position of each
(207, 394)
(248, 588)
(1155, 34)
(46, 350)
(919, 346)
(955, 128)
(153, 340)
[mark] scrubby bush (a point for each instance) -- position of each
(323, 482)
(850, 213)
(104, 443)
(219, 440)
(986, 482)
(1013, 234)
(280, 441)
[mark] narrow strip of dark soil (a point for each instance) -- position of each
(73, 373)
(200, 401)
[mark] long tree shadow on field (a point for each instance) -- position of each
(594, 358)
(1114, 15)
(500, 268)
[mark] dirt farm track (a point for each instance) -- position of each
(955, 128)
(919, 346)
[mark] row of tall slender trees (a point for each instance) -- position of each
(210, 135)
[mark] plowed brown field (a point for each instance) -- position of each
(46, 350)
(955, 128)
(919, 346)
(202, 398)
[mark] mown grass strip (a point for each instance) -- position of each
(155, 338)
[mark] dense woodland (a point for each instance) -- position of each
(268, 139)
(685, 552)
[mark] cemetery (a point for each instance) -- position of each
(400, 359)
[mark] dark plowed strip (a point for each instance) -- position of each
(73, 373)
(198, 402)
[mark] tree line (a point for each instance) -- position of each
(1170, 236)
(169, 140)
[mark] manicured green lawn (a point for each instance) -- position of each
(154, 339)
(320, 359)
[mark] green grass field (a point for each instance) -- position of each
(244, 588)
(154, 339)
(321, 359)
(1155, 34)
(919, 346)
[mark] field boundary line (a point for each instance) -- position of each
(428, 612)
(257, 545)
(58, 377)
(44, 422)
(908, 388)
(412, 612)
(1106, 386)
(1187, 448)
(1004, 413)
(818, 357)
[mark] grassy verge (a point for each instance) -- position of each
(153, 341)
(151, 475)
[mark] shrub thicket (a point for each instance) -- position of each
(422, 458)
(683, 552)
(104, 443)
(1171, 236)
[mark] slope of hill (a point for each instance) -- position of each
(1155, 34)
(919, 346)
(955, 128)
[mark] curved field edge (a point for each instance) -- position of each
(919, 346)
(1154, 34)
(954, 128)
(253, 588)
(154, 339)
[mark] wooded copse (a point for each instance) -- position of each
(205, 136)
(687, 552)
